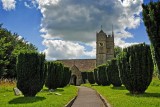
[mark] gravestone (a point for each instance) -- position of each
(17, 92)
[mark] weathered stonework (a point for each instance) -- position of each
(105, 47)
(104, 52)
(76, 77)
(77, 66)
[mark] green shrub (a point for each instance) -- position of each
(96, 76)
(136, 68)
(151, 19)
(113, 73)
(90, 76)
(103, 76)
(66, 77)
(84, 76)
(54, 75)
(30, 73)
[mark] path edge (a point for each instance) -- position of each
(69, 104)
(106, 103)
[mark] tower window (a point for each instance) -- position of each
(100, 44)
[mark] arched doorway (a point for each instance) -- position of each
(73, 79)
(76, 78)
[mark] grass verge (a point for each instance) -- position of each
(42, 99)
(120, 97)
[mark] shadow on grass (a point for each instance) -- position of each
(44, 90)
(94, 85)
(119, 88)
(156, 95)
(54, 90)
(59, 90)
(25, 100)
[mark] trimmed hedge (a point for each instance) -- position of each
(113, 73)
(54, 75)
(151, 18)
(136, 68)
(96, 76)
(84, 76)
(66, 77)
(30, 73)
(90, 76)
(103, 75)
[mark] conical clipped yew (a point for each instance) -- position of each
(96, 76)
(156, 71)
(54, 75)
(84, 76)
(136, 68)
(113, 73)
(103, 75)
(91, 77)
(66, 77)
(30, 73)
(151, 19)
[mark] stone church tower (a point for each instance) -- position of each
(104, 47)
(104, 52)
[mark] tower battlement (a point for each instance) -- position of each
(110, 36)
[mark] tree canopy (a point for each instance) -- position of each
(11, 44)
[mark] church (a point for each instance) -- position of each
(104, 52)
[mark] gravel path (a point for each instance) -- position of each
(87, 97)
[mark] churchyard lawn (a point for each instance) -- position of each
(58, 98)
(120, 97)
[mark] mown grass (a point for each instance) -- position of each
(42, 99)
(120, 97)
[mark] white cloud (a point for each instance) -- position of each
(79, 20)
(59, 49)
(8, 4)
(121, 43)
(30, 4)
(62, 49)
(27, 5)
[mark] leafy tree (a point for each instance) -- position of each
(11, 46)
(151, 18)
(3, 57)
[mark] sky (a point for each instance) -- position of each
(66, 29)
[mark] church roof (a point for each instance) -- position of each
(81, 64)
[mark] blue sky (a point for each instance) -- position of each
(67, 28)
(24, 21)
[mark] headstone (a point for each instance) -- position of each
(17, 92)
(51, 90)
